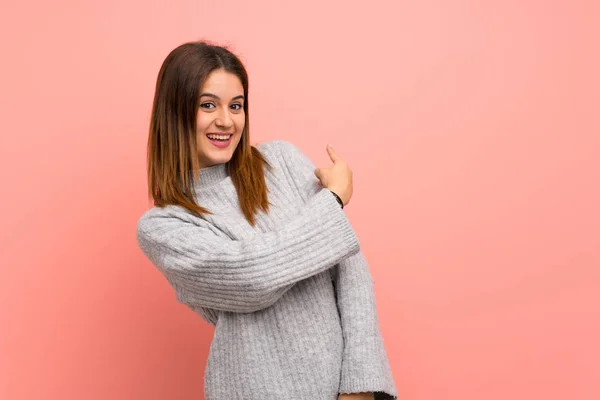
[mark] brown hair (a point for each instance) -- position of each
(172, 146)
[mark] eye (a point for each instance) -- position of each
(237, 107)
(207, 105)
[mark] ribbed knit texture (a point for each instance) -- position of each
(292, 299)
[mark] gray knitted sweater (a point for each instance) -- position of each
(292, 299)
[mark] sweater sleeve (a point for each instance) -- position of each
(298, 169)
(207, 270)
(365, 364)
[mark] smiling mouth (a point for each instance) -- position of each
(221, 143)
(219, 137)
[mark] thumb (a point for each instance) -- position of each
(332, 154)
(318, 173)
(321, 174)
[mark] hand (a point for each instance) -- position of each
(338, 178)
(357, 396)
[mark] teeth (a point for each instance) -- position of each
(219, 137)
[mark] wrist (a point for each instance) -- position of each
(339, 200)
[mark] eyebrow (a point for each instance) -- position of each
(217, 97)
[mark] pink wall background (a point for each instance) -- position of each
(473, 131)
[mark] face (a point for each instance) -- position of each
(220, 114)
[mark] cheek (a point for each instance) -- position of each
(240, 121)
(202, 122)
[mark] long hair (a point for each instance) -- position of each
(172, 145)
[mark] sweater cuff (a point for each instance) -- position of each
(380, 386)
(329, 211)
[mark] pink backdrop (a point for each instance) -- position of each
(472, 128)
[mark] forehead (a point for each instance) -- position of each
(221, 82)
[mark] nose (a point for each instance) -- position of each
(224, 119)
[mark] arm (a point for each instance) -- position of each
(248, 275)
(298, 169)
(365, 365)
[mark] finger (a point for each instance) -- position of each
(318, 173)
(332, 154)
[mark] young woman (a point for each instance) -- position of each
(254, 240)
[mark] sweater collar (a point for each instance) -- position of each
(212, 175)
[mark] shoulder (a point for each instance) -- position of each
(283, 152)
(160, 220)
(150, 222)
(276, 148)
(155, 214)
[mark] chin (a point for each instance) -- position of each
(220, 159)
(219, 156)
